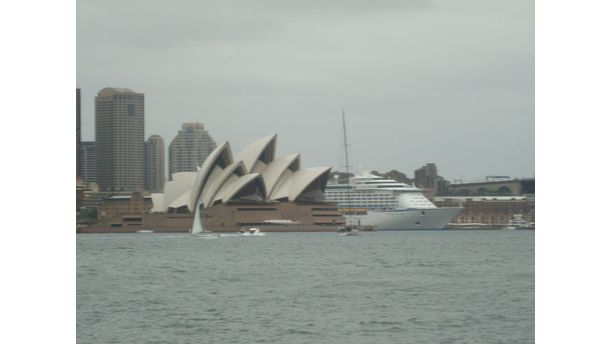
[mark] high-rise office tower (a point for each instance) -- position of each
(78, 132)
(189, 148)
(155, 156)
(88, 161)
(120, 139)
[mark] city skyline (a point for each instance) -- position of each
(422, 81)
(355, 169)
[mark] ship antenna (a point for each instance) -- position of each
(346, 161)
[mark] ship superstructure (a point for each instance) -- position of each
(387, 203)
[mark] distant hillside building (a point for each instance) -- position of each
(155, 158)
(426, 178)
(88, 161)
(443, 187)
(120, 139)
(189, 148)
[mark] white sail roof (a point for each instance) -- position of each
(263, 148)
(303, 178)
(254, 176)
(181, 183)
(272, 172)
(181, 201)
(158, 202)
(282, 186)
(221, 156)
(242, 183)
(237, 169)
(225, 188)
(185, 177)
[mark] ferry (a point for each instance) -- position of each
(387, 204)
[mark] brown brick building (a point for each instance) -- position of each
(124, 209)
(496, 210)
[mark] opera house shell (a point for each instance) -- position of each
(254, 188)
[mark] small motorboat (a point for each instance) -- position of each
(348, 230)
(253, 231)
(517, 222)
(144, 231)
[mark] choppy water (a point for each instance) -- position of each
(382, 287)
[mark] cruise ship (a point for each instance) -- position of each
(387, 204)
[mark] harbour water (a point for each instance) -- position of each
(379, 287)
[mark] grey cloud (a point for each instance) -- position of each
(350, 5)
(422, 81)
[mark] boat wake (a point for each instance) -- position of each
(208, 236)
(252, 234)
(186, 235)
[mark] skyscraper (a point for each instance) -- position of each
(120, 139)
(78, 132)
(189, 148)
(88, 161)
(155, 156)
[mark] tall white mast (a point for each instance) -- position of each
(346, 161)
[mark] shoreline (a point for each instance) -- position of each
(269, 229)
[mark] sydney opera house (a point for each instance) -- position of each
(254, 188)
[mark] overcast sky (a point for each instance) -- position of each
(444, 81)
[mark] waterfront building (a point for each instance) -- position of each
(155, 158)
(124, 209)
(88, 161)
(120, 139)
(78, 132)
(189, 148)
(489, 210)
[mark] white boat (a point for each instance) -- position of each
(144, 231)
(387, 204)
(253, 231)
(517, 222)
(348, 230)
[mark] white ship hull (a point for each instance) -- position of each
(407, 219)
